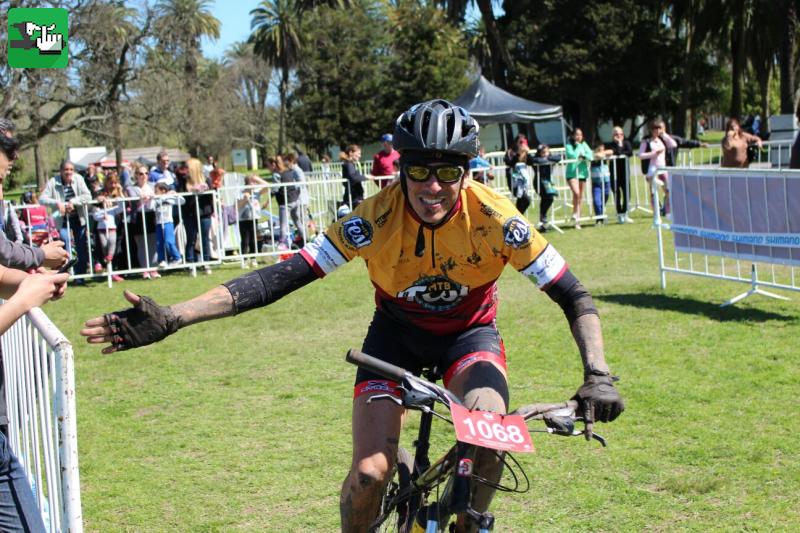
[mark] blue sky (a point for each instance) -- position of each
(235, 18)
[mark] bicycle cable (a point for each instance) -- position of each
(510, 468)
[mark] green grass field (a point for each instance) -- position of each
(243, 424)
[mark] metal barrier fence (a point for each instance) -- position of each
(276, 229)
(39, 376)
(716, 266)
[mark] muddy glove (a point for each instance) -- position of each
(140, 325)
(598, 399)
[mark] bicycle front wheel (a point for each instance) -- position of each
(399, 503)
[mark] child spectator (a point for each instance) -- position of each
(601, 181)
(249, 207)
(480, 168)
(36, 223)
(520, 179)
(163, 202)
(542, 164)
(105, 215)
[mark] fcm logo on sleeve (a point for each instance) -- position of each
(37, 38)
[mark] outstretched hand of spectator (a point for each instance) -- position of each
(39, 288)
(54, 255)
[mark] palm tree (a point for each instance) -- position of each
(253, 75)
(180, 26)
(276, 37)
(500, 58)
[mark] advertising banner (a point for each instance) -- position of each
(751, 215)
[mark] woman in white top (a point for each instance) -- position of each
(654, 149)
(143, 227)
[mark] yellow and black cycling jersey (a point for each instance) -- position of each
(443, 278)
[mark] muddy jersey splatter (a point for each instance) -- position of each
(449, 283)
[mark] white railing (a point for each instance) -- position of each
(40, 397)
(323, 192)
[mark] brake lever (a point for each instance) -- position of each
(395, 399)
(589, 433)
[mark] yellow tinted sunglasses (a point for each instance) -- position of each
(445, 173)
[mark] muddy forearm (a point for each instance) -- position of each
(216, 303)
(589, 338)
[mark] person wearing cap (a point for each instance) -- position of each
(435, 244)
(383, 162)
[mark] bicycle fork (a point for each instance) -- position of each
(457, 494)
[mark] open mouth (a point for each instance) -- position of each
(431, 201)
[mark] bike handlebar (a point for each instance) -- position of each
(367, 362)
(537, 411)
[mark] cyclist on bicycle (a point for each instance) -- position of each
(435, 245)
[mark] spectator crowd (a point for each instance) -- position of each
(135, 218)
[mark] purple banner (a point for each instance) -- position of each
(743, 214)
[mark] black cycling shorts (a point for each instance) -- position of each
(414, 349)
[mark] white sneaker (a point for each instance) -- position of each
(620, 219)
(254, 263)
(628, 219)
(162, 264)
(176, 262)
(207, 269)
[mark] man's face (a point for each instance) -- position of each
(5, 165)
(387, 147)
(163, 163)
(432, 199)
(66, 173)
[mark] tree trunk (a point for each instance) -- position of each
(588, 120)
(41, 169)
(679, 124)
(763, 86)
(500, 57)
(737, 62)
(282, 118)
(117, 132)
(786, 58)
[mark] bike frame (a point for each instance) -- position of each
(421, 395)
(457, 493)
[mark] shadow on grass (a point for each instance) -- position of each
(693, 307)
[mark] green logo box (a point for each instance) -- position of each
(37, 37)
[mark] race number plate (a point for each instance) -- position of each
(491, 430)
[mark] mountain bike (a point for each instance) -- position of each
(422, 495)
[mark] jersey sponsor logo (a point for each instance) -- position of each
(516, 232)
(356, 232)
(436, 293)
(488, 211)
(322, 253)
(381, 220)
(373, 386)
(546, 268)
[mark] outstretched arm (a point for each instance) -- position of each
(147, 322)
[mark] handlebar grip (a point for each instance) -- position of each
(367, 362)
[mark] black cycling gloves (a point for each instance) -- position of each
(598, 398)
(142, 324)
